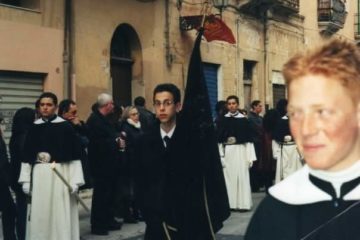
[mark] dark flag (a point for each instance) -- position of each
(208, 200)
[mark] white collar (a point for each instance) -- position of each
(297, 189)
(285, 117)
(56, 120)
(169, 134)
(235, 115)
(134, 124)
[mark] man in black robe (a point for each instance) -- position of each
(239, 154)
(51, 139)
(7, 205)
(170, 183)
(322, 200)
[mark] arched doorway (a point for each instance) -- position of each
(125, 64)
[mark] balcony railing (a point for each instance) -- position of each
(284, 7)
(331, 15)
(290, 5)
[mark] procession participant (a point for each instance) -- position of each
(256, 123)
(53, 212)
(21, 123)
(285, 151)
(171, 201)
(7, 205)
(68, 110)
(320, 201)
(104, 146)
(239, 154)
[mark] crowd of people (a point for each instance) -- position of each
(138, 166)
(254, 149)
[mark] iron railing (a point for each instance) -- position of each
(332, 11)
(293, 4)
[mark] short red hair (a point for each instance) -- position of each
(337, 59)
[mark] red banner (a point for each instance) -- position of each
(214, 28)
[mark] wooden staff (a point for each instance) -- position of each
(82, 203)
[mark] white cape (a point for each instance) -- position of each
(53, 213)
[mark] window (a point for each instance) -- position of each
(30, 4)
(248, 72)
(279, 92)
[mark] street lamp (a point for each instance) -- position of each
(221, 5)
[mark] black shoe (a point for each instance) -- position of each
(101, 232)
(114, 226)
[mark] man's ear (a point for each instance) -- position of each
(178, 107)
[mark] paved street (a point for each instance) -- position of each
(234, 227)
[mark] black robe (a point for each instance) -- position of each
(305, 207)
(237, 127)
(171, 188)
(56, 137)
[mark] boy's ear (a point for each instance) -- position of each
(178, 107)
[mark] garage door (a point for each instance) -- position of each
(17, 90)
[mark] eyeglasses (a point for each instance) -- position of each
(166, 103)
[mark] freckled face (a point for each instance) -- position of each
(324, 122)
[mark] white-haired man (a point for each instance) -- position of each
(104, 144)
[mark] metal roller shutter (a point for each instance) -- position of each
(17, 90)
(211, 72)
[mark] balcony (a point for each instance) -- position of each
(357, 26)
(331, 16)
(258, 7)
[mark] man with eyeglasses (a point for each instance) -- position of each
(166, 175)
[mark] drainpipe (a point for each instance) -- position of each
(358, 17)
(237, 58)
(266, 57)
(168, 55)
(67, 54)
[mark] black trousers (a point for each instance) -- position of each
(8, 209)
(102, 213)
(21, 212)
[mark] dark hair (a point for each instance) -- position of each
(64, 106)
(233, 97)
(220, 107)
(22, 120)
(37, 103)
(168, 87)
(49, 95)
(139, 101)
(270, 121)
(281, 106)
(255, 103)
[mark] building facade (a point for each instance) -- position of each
(81, 48)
